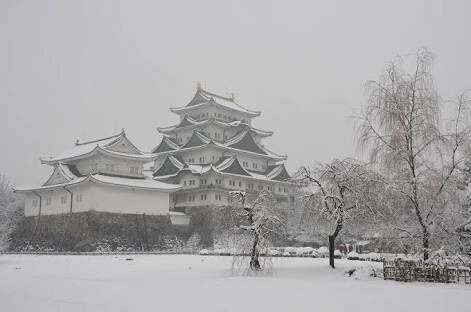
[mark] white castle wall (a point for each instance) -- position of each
(99, 197)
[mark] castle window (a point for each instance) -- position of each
(184, 183)
(201, 159)
(218, 197)
(204, 196)
(78, 198)
(254, 165)
(250, 186)
(48, 201)
(134, 170)
(260, 187)
(63, 200)
(240, 184)
(218, 181)
(35, 203)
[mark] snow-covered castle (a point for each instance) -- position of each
(213, 149)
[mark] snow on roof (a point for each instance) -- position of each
(211, 120)
(203, 97)
(138, 183)
(30, 188)
(167, 144)
(225, 165)
(109, 180)
(102, 145)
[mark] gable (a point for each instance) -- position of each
(163, 147)
(194, 141)
(247, 143)
(57, 177)
(167, 168)
(283, 175)
(236, 168)
(123, 145)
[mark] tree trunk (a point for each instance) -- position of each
(332, 243)
(331, 251)
(254, 257)
(426, 243)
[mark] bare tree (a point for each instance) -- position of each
(401, 127)
(340, 191)
(259, 221)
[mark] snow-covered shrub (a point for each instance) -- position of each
(374, 256)
(323, 251)
(315, 254)
(204, 252)
(337, 254)
(352, 255)
(290, 250)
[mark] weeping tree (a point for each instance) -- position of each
(259, 219)
(403, 131)
(341, 191)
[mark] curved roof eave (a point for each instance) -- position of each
(183, 109)
(99, 149)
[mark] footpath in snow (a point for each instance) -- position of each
(204, 283)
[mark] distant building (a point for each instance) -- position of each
(214, 149)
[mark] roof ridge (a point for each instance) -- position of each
(99, 140)
(211, 94)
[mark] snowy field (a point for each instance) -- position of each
(204, 283)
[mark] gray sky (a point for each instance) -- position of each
(83, 69)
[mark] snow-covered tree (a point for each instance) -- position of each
(10, 211)
(403, 129)
(259, 220)
(340, 191)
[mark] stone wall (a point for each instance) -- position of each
(98, 231)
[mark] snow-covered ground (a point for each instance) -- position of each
(204, 283)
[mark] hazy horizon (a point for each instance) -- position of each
(86, 69)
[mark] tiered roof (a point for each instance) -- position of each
(190, 123)
(241, 142)
(227, 165)
(204, 98)
(70, 177)
(107, 146)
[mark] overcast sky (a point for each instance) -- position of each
(85, 69)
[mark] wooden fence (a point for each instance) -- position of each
(419, 271)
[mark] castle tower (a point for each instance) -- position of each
(214, 149)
